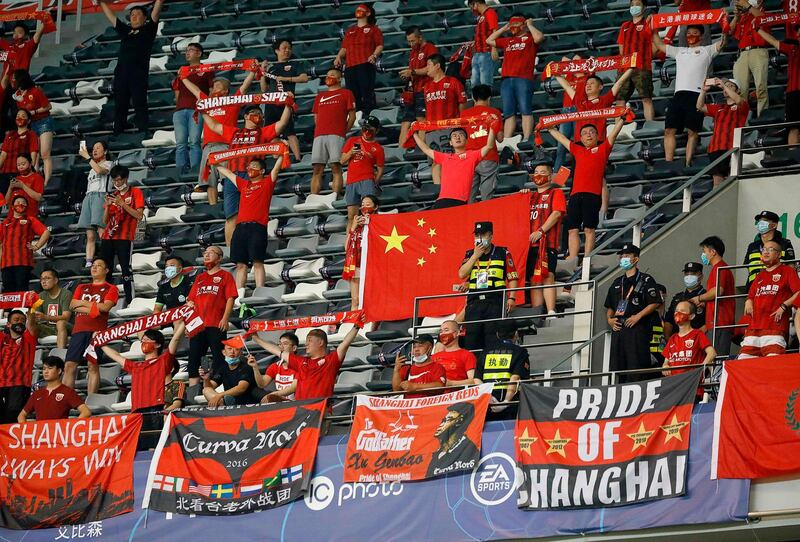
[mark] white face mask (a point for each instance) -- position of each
(420, 359)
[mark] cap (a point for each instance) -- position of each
(507, 326)
(423, 338)
(735, 82)
(768, 215)
(372, 122)
(483, 227)
(692, 267)
(629, 248)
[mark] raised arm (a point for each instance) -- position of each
(113, 354)
(222, 170)
(621, 81)
(538, 35)
(701, 101)
(276, 169)
(109, 13)
(177, 332)
(490, 144)
(286, 116)
(341, 350)
(561, 138)
(37, 36)
(272, 348)
(423, 146)
(212, 124)
(658, 43)
(612, 137)
(194, 89)
(492, 39)
(155, 13)
(566, 86)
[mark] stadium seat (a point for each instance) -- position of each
(100, 403)
(265, 295)
(137, 307)
(352, 381)
(306, 291)
(316, 202)
(299, 246)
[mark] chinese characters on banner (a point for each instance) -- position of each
(234, 460)
(395, 439)
(604, 446)
(66, 471)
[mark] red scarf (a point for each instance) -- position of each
(13, 300)
(429, 125)
(271, 98)
(605, 113)
(702, 17)
(352, 253)
(777, 18)
(253, 150)
(591, 65)
(44, 16)
(250, 65)
(542, 269)
(353, 317)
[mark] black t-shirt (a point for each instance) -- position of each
(135, 45)
(230, 378)
(500, 363)
(291, 68)
(171, 297)
(699, 319)
(640, 291)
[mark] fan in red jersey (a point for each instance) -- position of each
(484, 181)
(484, 55)
(334, 115)
(28, 184)
(17, 350)
(17, 234)
(636, 37)
(687, 346)
(753, 58)
(458, 363)
(31, 98)
(362, 45)
(365, 159)
(21, 47)
(416, 77)
(791, 49)
(421, 373)
(23, 140)
(727, 116)
(444, 99)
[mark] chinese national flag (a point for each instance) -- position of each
(409, 255)
(235, 342)
(757, 419)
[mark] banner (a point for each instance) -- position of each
(48, 25)
(14, 300)
(604, 446)
(396, 439)
(234, 460)
(194, 324)
(279, 149)
(702, 17)
(271, 98)
(418, 254)
(773, 19)
(63, 472)
(757, 419)
(250, 64)
(68, 6)
(550, 121)
(471, 124)
(590, 65)
(353, 317)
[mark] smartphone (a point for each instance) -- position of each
(357, 146)
(83, 144)
(710, 82)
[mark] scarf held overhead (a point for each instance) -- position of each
(250, 65)
(591, 65)
(278, 149)
(702, 17)
(605, 113)
(352, 317)
(270, 98)
(429, 125)
(44, 16)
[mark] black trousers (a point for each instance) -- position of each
(630, 349)
(210, 338)
(130, 87)
(16, 278)
(12, 401)
(361, 82)
(122, 250)
(483, 334)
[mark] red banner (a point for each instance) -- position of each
(226, 461)
(270, 98)
(353, 317)
(591, 65)
(279, 149)
(702, 17)
(67, 6)
(67, 472)
(773, 19)
(44, 16)
(605, 113)
(757, 419)
(14, 300)
(471, 124)
(250, 65)
(394, 439)
(418, 254)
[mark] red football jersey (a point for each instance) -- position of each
(332, 107)
(35, 182)
(575, 80)
(147, 380)
(361, 167)
(121, 224)
(542, 206)
(431, 373)
(637, 38)
(485, 24)
(360, 42)
(282, 375)
(185, 99)
(792, 52)
(583, 103)
(477, 138)
(210, 294)
(246, 137)
(456, 363)
(519, 56)
(31, 100)
(96, 293)
(15, 144)
(590, 167)
(224, 115)
(726, 119)
(315, 376)
(687, 350)
(16, 359)
(19, 54)
(53, 405)
(727, 307)
(768, 290)
(442, 98)
(418, 59)
(15, 234)
(254, 198)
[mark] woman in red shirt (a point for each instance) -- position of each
(352, 257)
(16, 142)
(27, 184)
(32, 98)
(361, 46)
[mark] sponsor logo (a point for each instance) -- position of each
(327, 99)
(322, 492)
(494, 479)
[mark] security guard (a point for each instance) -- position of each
(693, 281)
(632, 298)
(657, 339)
(767, 226)
(502, 364)
(488, 268)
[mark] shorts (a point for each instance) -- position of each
(765, 345)
(517, 94)
(77, 348)
(583, 211)
(249, 243)
(722, 169)
(49, 329)
(272, 114)
(213, 176)
(533, 259)
(230, 198)
(446, 203)
(327, 149)
(792, 108)
(16, 278)
(415, 110)
(353, 192)
(642, 81)
(92, 211)
(682, 112)
(42, 126)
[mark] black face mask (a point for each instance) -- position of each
(18, 328)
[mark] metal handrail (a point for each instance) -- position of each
(738, 134)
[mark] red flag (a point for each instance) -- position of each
(590, 65)
(409, 255)
(235, 342)
(757, 419)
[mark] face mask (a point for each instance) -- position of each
(762, 226)
(753, 3)
(704, 259)
(121, 186)
(625, 263)
(516, 26)
(541, 180)
(367, 210)
(253, 172)
(420, 359)
(21, 122)
(209, 265)
(447, 338)
(170, 271)
(18, 328)
(148, 347)
(255, 119)
(331, 81)
(690, 281)
(231, 361)
(681, 317)
(361, 12)
(215, 93)
(636, 10)
(692, 40)
(20, 208)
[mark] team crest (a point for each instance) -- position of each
(639, 27)
(287, 68)
(366, 30)
(689, 343)
(59, 396)
(776, 277)
(420, 55)
(217, 279)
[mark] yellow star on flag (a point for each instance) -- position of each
(640, 437)
(525, 442)
(432, 249)
(421, 222)
(432, 232)
(673, 429)
(420, 261)
(394, 241)
(557, 444)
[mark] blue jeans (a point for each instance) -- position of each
(187, 139)
(517, 94)
(482, 69)
(568, 130)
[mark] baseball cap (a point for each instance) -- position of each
(483, 227)
(371, 122)
(735, 82)
(629, 248)
(692, 267)
(768, 215)
(423, 338)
